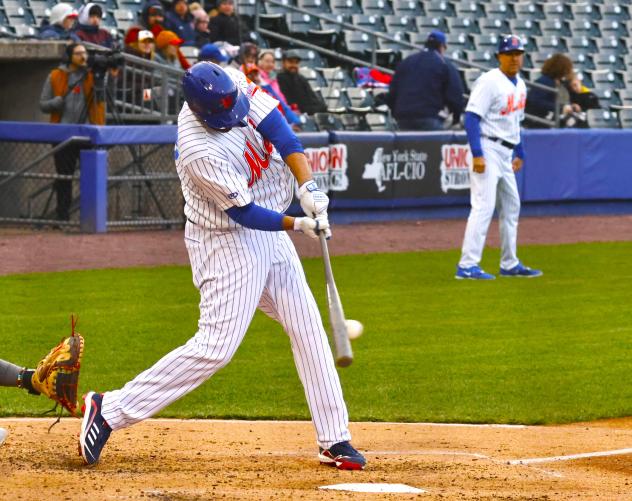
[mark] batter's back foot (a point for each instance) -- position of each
(343, 456)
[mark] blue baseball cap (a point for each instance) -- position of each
(438, 36)
(509, 43)
(211, 52)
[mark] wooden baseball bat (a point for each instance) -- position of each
(344, 355)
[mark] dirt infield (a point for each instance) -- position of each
(203, 460)
(27, 252)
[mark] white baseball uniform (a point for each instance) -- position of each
(500, 103)
(237, 270)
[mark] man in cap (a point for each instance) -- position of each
(492, 121)
(423, 85)
(295, 87)
(224, 27)
(88, 26)
(211, 52)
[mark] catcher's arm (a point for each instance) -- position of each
(57, 374)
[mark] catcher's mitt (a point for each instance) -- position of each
(57, 374)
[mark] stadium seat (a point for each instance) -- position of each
(313, 76)
(606, 97)
(333, 20)
(551, 43)
(470, 75)
(485, 41)
(310, 58)
(345, 7)
(327, 121)
(585, 11)
(25, 31)
(427, 24)
(526, 27)
(368, 22)
(462, 25)
(409, 8)
(555, 27)
(361, 99)
(625, 118)
(277, 9)
(625, 96)
(380, 122)
(245, 8)
(319, 6)
(336, 100)
(602, 119)
(337, 77)
(354, 122)
(19, 16)
(356, 43)
(275, 22)
(610, 45)
(528, 10)
(557, 10)
(494, 25)
(399, 36)
(499, 8)
(609, 27)
(610, 62)
(615, 12)
(583, 44)
(397, 22)
(439, 8)
(376, 7)
(582, 61)
(308, 124)
(40, 11)
(608, 78)
(584, 27)
(301, 24)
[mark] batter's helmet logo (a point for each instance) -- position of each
(510, 43)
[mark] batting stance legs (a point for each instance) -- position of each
(236, 272)
(494, 188)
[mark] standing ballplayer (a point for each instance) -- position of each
(492, 121)
(231, 154)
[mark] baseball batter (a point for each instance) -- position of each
(492, 121)
(231, 154)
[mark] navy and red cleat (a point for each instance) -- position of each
(94, 429)
(343, 456)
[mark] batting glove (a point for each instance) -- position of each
(313, 201)
(311, 227)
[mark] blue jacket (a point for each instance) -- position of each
(539, 101)
(425, 83)
(181, 27)
(56, 32)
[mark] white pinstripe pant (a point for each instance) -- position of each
(495, 188)
(236, 272)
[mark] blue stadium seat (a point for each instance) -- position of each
(625, 118)
(528, 10)
(555, 27)
(612, 28)
(526, 27)
(319, 6)
(585, 11)
(410, 8)
(615, 12)
(368, 22)
(584, 27)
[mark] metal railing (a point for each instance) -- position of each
(373, 37)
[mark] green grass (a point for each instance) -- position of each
(549, 350)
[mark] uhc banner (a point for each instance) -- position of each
(391, 170)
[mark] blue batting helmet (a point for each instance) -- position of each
(213, 96)
(509, 43)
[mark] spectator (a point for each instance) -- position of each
(581, 95)
(168, 50)
(423, 85)
(62, 19)
(556, 70)
(152, 17)
(269, 83)
(179, 20)
(200, 25)
(68, 95)
(141, 44)
(211, 52)
(295, 87)
(225, 25)
(88, 30)
(248, 54)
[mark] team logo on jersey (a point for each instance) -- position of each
(395, 165)
(513, 105)
(455, 167)
(233, 195)
(257, 161)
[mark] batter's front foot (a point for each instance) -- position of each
(343, 456)
(472, 273)
(520, 270)
(94, 429)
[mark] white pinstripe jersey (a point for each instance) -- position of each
(219, 170)
(500, 104)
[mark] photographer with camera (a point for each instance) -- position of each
(69, 96)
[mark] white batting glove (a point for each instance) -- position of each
(313, 201)
(311, 227)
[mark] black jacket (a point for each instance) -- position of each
(297, 91)
(225, 28)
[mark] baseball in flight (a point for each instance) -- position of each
(354, 329)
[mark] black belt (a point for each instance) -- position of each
(506, 144)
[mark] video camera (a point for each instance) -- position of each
(99, 61)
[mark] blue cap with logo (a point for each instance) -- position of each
(509, 43)
(211, 52)
(437, 36)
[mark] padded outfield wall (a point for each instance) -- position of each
(368, 176)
